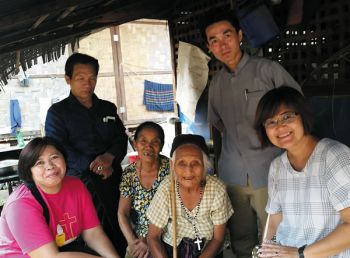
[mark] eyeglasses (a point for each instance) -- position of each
(282, 119)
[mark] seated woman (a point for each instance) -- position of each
(309, 184)
(26, 230)
(202, 205)
(140, 181)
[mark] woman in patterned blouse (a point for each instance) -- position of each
(139, 183)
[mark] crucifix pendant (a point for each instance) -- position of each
(198, 242)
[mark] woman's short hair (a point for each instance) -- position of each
(30, 154)
(151, 125)
(272, 101)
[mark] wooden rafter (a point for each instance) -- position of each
(124, 14)
(38, 10)
(30, 29)
(75, 25)
(39, 21)
(66, 13)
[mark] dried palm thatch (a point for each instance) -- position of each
(28, 57)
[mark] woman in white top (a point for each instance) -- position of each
(309, 184)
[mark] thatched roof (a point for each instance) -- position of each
(31, 29)
(41, 28)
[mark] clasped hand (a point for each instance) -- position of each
(139, 249)
(102, 165)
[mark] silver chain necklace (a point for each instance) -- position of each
(191, 219)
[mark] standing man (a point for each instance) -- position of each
(94, 137)
(233, 97)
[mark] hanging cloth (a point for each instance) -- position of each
(15, 115)
(158, 97)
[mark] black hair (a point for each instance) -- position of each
(151, 125)
(217, 16)
(78, 58)
(31, 152)
(272, 101)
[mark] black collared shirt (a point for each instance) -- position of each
(86, 132)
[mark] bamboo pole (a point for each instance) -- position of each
(266, 227)
(173, 208)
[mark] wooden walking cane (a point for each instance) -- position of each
(173, 207)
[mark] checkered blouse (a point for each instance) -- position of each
(215, 209)
(310, 200)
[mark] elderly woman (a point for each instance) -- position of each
(50, 210)
(140, 181)
(202, 205)
(309, 184)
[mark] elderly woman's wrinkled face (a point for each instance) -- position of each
(189, 166)
(49, 170)
(148, 145)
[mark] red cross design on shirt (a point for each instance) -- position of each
(67, 223)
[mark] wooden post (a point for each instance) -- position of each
(178, 129)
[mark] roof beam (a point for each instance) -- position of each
(124, 14)
(39, 21)
(38, 10)
(66, 13)
(63, 24)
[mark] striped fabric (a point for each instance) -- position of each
(158, 97)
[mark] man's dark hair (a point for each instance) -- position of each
(78, 58)
(217, 16)
(151, 125)
(272, 101)
(31, 152)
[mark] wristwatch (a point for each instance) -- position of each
(301, 251)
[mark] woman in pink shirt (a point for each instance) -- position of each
(25, 229)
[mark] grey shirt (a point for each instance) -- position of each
(233, 98)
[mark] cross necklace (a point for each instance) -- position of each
(193, 219)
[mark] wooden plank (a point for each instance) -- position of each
(131, 123)
(150, 22)
(66, 13)
(39, 21)
(61, 75)
(147, 73)
(118, 73)
(173, 66)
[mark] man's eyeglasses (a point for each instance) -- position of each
(282, 119)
